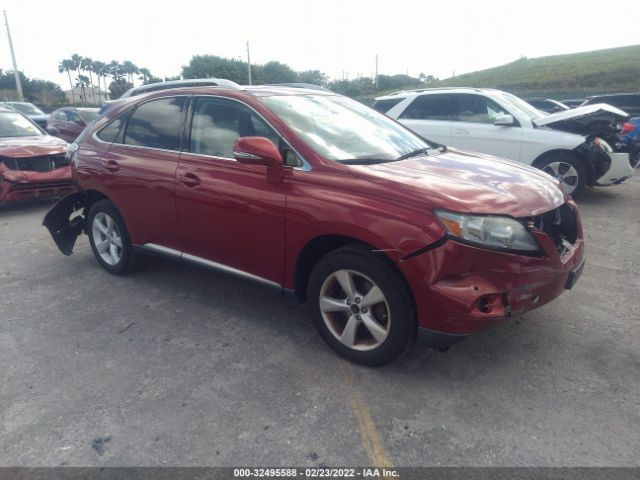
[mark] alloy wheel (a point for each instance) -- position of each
(565, 173)
(355, 310)
(107, 238)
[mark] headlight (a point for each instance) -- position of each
(488, 231)
(603, 145)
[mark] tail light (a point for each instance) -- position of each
(627, 127)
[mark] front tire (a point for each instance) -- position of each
(109, 238)
(361, 306)
(568, 170)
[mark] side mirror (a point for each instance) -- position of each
(504, 120)
(52, 131)
(260, 151)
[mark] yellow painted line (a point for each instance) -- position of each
(369, 433)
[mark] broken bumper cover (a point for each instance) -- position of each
(65, 221)
(619, 171)
(460, 289)
(23, 185)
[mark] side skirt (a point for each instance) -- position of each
(176, 254)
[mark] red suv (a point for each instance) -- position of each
(386, 235)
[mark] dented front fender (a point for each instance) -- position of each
(65, 221)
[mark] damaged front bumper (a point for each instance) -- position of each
(460, 289)
(619, 171)
(65, 221)
(24, 185)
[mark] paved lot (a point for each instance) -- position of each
(182, 366)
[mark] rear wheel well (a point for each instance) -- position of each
(91, 197)
(571, 153)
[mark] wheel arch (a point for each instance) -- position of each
(320, 246)
(572, 153)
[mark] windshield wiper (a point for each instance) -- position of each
(420, 151)
(365, 161)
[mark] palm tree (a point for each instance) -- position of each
(77, 62)
(129, 68)
(82, 82)
(66, 65)
(145, 75)
(86, 65)
(100, 69)
(115, 70)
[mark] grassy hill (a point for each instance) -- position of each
(610, 70)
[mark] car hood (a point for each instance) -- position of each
(464, 181)
(583, 120)
(20, 147)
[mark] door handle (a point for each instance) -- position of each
(462, 131)
(189, 180)
(111, 165)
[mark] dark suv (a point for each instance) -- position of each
(628, 102)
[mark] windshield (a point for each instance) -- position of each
(511, 102)
(342, 129)
(88, 115)
(26, 108)
(15, 125)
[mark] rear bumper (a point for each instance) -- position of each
(20, 185)
(460, 289)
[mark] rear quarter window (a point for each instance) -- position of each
(383, 106)
(157, 124)
(428, 107)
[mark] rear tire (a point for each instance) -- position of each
(109, 238)
(361, 306)
(567, 169)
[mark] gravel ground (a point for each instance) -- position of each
(176, 365)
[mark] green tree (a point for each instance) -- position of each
(276, 72)
(212, 66)
(67, 65)
(315, 77)
(118, 87)
(129, 69)
(86, 65)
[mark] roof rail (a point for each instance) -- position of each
(310, 86)
(187, 82)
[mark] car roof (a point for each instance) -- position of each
(220, 83)
(7, 109)
(423, 91)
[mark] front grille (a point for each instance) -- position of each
(42, 185)
(42, 163)
(561, 225)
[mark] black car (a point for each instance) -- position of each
(30, 110)
(547, 104)
(573, 102)
(629, 102)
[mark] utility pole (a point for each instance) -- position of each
(248, 63)
(13, 57)
(376, 72)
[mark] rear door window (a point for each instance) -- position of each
(157, 124)
(475, 108)
(428, 107)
